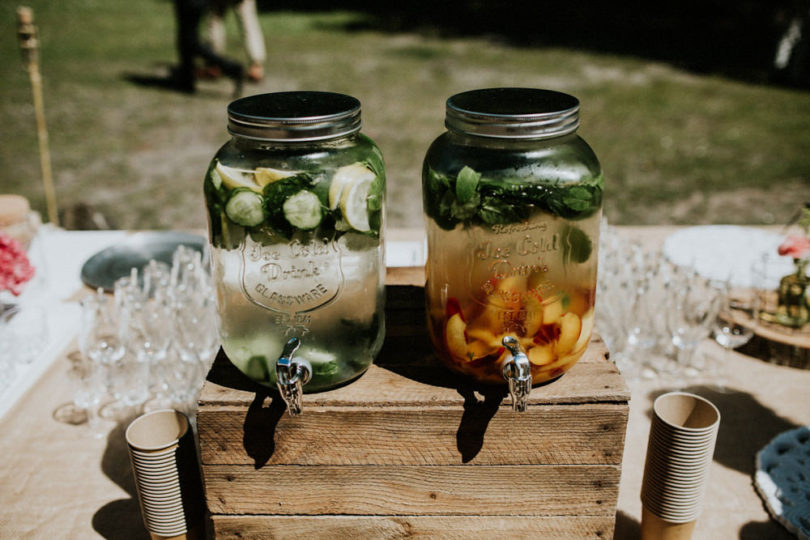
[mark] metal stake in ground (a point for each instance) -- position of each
(29, 46)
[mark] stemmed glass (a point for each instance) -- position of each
(101, 338)
(101, 343)
(89, 389)
(738, 316)
(696, 302)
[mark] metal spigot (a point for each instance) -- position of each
(517, 371)
(292, 375)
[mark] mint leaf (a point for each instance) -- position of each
(463, 212)
(375, 194)
(577, 198)
(466, 184)
(495, 211)
(577, 247)
(437, 180)
(597, 182)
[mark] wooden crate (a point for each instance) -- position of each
(410, 449)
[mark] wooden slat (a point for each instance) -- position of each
(381, 527)
(406, 275)
(480, 432)
(401, 377)
(529, 490)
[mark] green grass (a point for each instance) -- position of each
(676, 147)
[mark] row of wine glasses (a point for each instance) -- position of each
(654, 315)
(151, 343)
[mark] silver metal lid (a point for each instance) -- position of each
(294, 116)
(513, 113)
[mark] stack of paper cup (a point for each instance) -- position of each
(164, 461)
(679, 453)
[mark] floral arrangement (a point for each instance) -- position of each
(15, 268)
(797, 247)
(793, 305)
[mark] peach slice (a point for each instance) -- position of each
(553, 312)
(534, 315)
(482, 334)
(509, 292)
(454, 337)
(479, 349)
(489, 319)
(586, 331)
(570, 327)
(540, 355)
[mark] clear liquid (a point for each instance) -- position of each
(341, 330)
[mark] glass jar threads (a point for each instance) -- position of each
(513, 200)
(295, 203)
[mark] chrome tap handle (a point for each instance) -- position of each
(292, 374)
(517, 371)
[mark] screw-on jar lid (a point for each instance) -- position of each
(294, 116)
(513, 113)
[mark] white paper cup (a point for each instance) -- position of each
(680, 449)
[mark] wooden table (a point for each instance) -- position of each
(57, 482)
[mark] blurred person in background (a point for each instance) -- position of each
(252, 36)
(189, 14)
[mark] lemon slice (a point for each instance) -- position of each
(236, 178)
(354, 204)
(346, 176)
(268, 175)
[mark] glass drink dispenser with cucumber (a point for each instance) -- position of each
(295, 204)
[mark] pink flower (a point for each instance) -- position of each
(795, 246)
(15, 269)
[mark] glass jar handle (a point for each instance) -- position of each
(292, 375)
(517, 371)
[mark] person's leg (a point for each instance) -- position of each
(187, 15)
(216, 27)
(253, 37)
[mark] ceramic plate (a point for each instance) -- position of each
(106, 266)
(727, 252)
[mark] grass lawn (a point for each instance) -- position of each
(676, 146)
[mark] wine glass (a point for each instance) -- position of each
(101, 337)
(696, 302)
(89, 389)
(738, 316)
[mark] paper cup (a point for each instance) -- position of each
(655, 528)
(680, 448)
(163, 456)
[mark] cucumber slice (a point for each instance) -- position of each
(303, 210)
(256, 368)
(245, 207)
(323, 363)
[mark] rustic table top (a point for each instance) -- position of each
(60, 483)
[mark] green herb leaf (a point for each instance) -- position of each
(375, 194)
(463, 212)
(577, 246)
(577, 198)
(466, 184)
(497, 211)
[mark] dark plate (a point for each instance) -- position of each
(106, 266)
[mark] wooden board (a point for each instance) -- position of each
(456, 527)
(472, 433)
(528, 490)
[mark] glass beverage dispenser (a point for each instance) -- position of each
(513, 201)
(295, 204)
